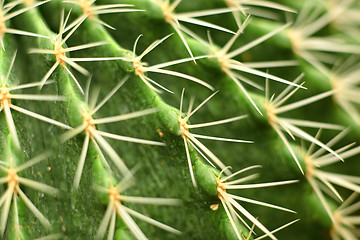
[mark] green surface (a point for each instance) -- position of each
(163, 171)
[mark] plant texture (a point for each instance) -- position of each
(161, 119)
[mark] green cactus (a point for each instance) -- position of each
(109, 112)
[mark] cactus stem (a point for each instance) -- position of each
(224, 202)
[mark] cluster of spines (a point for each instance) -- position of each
(176, 18)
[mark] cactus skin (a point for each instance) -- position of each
(163, 171)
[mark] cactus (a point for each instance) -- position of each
(159, 119)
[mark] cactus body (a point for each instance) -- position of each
(158, 119)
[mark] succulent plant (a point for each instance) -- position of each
(159, 119)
